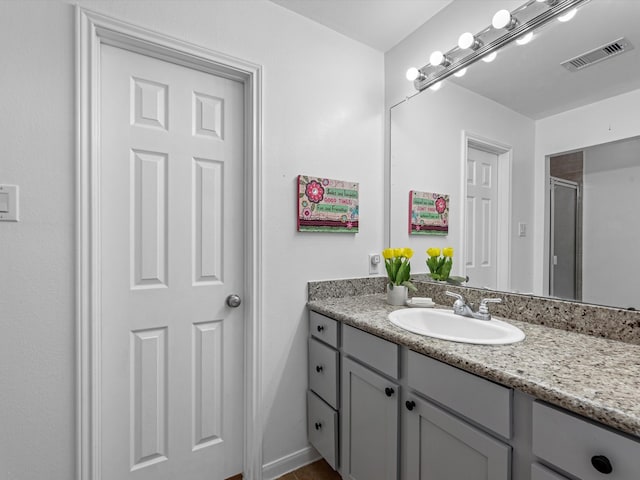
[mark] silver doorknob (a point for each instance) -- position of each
(234, 300)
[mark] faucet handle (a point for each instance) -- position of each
(484, 308)
(460, 304)
(455, 295)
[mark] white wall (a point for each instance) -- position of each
(323, 115)
(610, 202)
(427, 152)
(601, 122)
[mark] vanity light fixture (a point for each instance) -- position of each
(504, 19)
(468, 40)
(436, 86)
(517, 25)
(439, 58)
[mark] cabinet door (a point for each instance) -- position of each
(439, 446)
(369, 424)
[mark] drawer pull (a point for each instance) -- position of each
(319, 368)
(320, 328)
(318, 425)
(601, 464)
(410, 404)
(389, 391)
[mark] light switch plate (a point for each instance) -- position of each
(8, 203)
(522, 229)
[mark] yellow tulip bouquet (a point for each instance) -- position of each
(440, 265)
(396, 260)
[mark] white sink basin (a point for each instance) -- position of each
(446, 325)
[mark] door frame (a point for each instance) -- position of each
(92, 31)
(504, 153)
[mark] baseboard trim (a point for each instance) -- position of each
(289, 463)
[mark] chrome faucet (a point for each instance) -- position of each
(460, 307)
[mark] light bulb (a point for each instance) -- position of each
(436, 86)
(466, 40)
(568, 16)
(436, 58)
(490, 58)
(526, 39)
(460, 73)
(412, 74)
(503, 19)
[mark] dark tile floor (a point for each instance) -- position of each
(319, 470)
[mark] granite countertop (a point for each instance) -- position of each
(591, 376)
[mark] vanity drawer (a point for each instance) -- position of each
(374, 351)
(323, 371)
(475, 398)
(322, 426)
(324, 328)
(571, 443)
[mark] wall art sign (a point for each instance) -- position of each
(428, 213)
(326, 205)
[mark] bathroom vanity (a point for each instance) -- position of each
(384, 403)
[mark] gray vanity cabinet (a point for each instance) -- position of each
(438, 445)
(370, 407)
(378, 411)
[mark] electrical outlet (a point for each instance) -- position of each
(374, 263)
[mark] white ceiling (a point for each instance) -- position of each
(381, 24)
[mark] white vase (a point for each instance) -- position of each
(396, 295)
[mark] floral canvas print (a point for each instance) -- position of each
(326, 205)
(428, 213)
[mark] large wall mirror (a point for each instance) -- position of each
(541, 161)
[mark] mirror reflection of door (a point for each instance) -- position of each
(481, 213)
(565, 273)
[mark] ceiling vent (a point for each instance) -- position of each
(598, 54)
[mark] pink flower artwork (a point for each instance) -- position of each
(428, 213)
(327, 205)
(315, 192)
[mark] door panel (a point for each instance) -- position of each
(171, 204)
(481, 218)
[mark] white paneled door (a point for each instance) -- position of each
(481, 213)
(171, 243)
